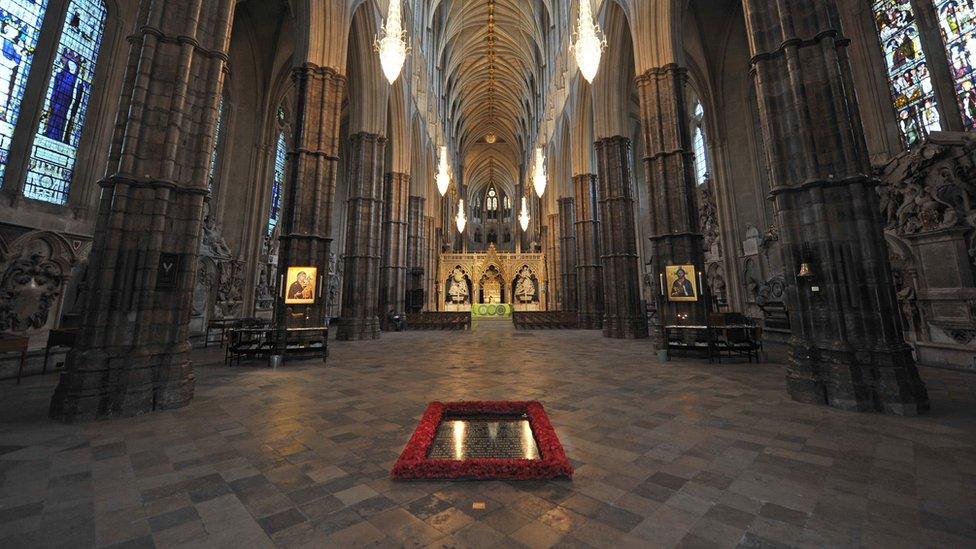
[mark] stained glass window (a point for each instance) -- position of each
(492, 200)
(277, 183)
(957, 20)
(52, 160)
(908, 73)
(216, 144)
(698, 142)
(20, 27)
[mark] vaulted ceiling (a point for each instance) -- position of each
(490, 55)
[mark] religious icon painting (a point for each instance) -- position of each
(681, 282)
(300, 285)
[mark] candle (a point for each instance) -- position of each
(701, 287)
(662, 283)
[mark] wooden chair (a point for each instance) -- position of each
(16, 344)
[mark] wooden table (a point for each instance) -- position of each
(16, 344)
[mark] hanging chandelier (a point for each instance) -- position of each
(539, 178)
(524, 216)
(391, 43)
(461, 219)
(590, 43)
(443, 179)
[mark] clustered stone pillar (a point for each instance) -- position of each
(131, 356)
(589, 271)
(669, 171)
(415, 251)
(309, 191)
(567, 245)
(623, 317)
(361, 275)
(553, 280)
(847, 348)
(394, 287)
(431, 249)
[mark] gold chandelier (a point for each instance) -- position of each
(391, 43)
(443, 178)
(539, 177)
(524, 216)
(590, 42)
(461, 220)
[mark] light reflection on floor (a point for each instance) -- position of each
(472, 438)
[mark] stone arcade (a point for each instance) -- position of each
(301, 185)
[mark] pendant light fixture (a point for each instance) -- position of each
(443, 179)
(590, 42)
(460, 218)
(539, 177)
(524, 216)
(391, 43)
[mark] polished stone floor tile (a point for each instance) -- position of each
(675, 454)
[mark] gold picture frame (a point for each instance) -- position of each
(681, 284)
(300, 285)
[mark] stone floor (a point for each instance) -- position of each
(681, 453)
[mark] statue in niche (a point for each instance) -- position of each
(458, 290)
(525, 288)
(212, 243)
(752, 243)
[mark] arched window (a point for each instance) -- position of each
(908, 72)
(52, 160)
(218, 134)
(507, 212)
(491, 203)
(957, 21)
(278, 182)
(698, 142)
(20, 28)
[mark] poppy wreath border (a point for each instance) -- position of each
(413, 463)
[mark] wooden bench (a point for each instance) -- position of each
(544, 320)
(735, 335)
(292, 343)
(439, 321)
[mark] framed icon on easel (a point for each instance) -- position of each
(681, 285)
(300, 285)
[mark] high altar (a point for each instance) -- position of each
(471, 279)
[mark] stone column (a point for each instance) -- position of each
(431, 249)
(132, 354)
(394, 280)
(361, 275)
(310, 188)
(553, 280)
(589, 271)
(669, 168)
(847, 348)
(567, 244)
(416, 270)
(623, 317)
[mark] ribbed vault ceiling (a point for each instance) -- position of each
(489, 55)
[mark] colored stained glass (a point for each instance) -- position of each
(908, 74)
(55, 146)
(20, 27)
(957, 20)
(216, 144)
(277, 183)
